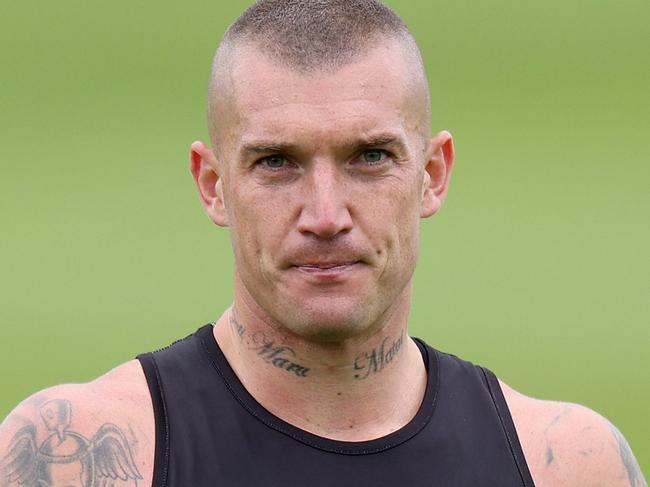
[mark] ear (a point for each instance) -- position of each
(205, 170)
(437, 171)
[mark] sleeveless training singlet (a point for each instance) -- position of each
(210, 432)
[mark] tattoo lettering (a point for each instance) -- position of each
(632, 468)
(375, 361)
(67, 458)
(237, 326)
(280, 356)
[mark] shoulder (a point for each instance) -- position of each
(102, 429)
(567, 444)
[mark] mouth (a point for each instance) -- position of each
(326, 268)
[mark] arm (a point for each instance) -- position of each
(627, 459)
(569, 445)
(80, 434)
(583, 448)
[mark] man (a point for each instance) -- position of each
(321, 166)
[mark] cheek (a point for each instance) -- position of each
(407, 238)
(387, 223)
(256, 228)
(405, 232)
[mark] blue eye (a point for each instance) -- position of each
(373, 156)
(274, 162)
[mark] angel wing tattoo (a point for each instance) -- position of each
(20, 465)
(66, 457)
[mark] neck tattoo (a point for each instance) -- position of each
(285, 358)
(378, 359)
(276, 354)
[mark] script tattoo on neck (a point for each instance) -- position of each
(276, 354)
(237, 326)
(280, 356)
(375, 361)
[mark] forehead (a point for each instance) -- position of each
(373, 93)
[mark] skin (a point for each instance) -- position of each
(568, 444)
(326, 204)
(325, 236)
(118, 398)
(324, 265)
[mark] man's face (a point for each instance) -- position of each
(323, 179)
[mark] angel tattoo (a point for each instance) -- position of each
(66, 458)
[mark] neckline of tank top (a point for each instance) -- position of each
(221, 365)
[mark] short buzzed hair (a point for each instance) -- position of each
(310, 36)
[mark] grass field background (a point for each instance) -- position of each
(537, 267)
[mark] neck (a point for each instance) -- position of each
(360, 389)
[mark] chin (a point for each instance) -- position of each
(330, 320)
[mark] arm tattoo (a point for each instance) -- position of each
(279, 355)
(66, 457)
(634, 474)
(550, 455)
(375, 361)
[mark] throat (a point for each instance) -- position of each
(356, 392)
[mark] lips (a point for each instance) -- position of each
(315, 259)
(327, 269)
(325, 265)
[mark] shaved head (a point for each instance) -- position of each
(310, 38)
(322, 163)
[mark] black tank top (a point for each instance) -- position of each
(210, 432)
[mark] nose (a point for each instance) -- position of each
(325, 212)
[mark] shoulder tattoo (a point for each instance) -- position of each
(634, 475)
(66, 457)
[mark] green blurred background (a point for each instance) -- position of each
(537, 267)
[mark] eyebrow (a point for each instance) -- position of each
(265, 147)
(381, 140)
(384, 139)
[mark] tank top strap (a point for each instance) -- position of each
(508, 425)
